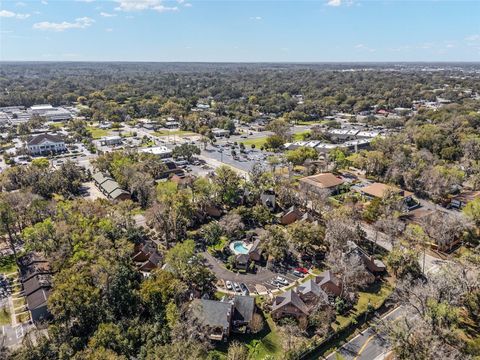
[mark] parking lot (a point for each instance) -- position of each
(259, 282)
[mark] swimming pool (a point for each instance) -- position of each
(239, 247)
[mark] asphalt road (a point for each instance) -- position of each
(368, 345)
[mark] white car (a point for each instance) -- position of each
(228, 284)
(281, 280)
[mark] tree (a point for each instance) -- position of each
(185, 151)
(274, 142)
(404, 263)
(275, 242)
(227, 185)
(237, 351)
(212, 233)
(280, 128)
(300, 155)
(472, 211)
(307, 238)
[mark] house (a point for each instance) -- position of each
(255, 252)
(146, 257)
(220, 318)
(373, 265)
(36, 279)
(289, 304)
(242, 261)
(243, 310)
(310, 292)
(215, 316)
(329, 283)
(170, 169)
(109, 187)
(379, 190)
(46, 144)
(111, 141)
(291, 215)
(317, 184)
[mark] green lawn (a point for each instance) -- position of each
(259, 142)
(19, 302)
(5, 318)
(301, 135)
(7, 264)
(269, 343)
(98, 133)
(374, 296)
(173, 132)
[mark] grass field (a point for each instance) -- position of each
(173, 132)
(301, 135)
(98, 133)
(259, 142)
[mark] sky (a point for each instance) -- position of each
(239, 30)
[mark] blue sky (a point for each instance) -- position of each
(249, 30)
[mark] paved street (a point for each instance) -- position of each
(367, 345)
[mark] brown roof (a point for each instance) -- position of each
(379, 190)
(324, 181)
(42, 137)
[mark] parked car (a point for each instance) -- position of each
(228, 284)
(297, 273)
(281, 280)
(244, 288)
(237, 287)
(302, 270)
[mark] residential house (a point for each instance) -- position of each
(109, 187)
(268, 199)
(290, 215)
(375, 266)
(255, 252)
(289, 304)
(243, 310)
(36, 279)
(146, 257)
(44, 144)
(329, 283)
(220, 318)
(215, 316)
(242, 261)
(379, 190)
(317, 184)
(311, 293)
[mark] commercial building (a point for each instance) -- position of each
(161, 151)
(44, 144)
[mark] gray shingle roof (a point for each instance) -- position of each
(244, 308)
(289, 297)
(212, 313)
(39, 138)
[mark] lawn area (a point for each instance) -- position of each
(268, 345)
(98, 133)
(19, 302)
(301, 135)
(5, 318)
(259, 142)
(7, 264)
(218, 247)
(173, 132)
(374, 296)
(57, 125)
(23, 317)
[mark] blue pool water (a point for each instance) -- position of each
(240, 248)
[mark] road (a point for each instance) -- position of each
(369, 344)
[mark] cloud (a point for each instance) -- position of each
(44, 2)
(11, 14)
(334, 2)
(474, 37)
(139, 5)
(187, 5)
(80, 23)
(104, 14)
(363, 47)
(257, 18)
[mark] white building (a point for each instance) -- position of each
(161, 151)
(111, 141)
(46, 144)
(220, 132)
(51, 113)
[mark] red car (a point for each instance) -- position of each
(302, 270)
